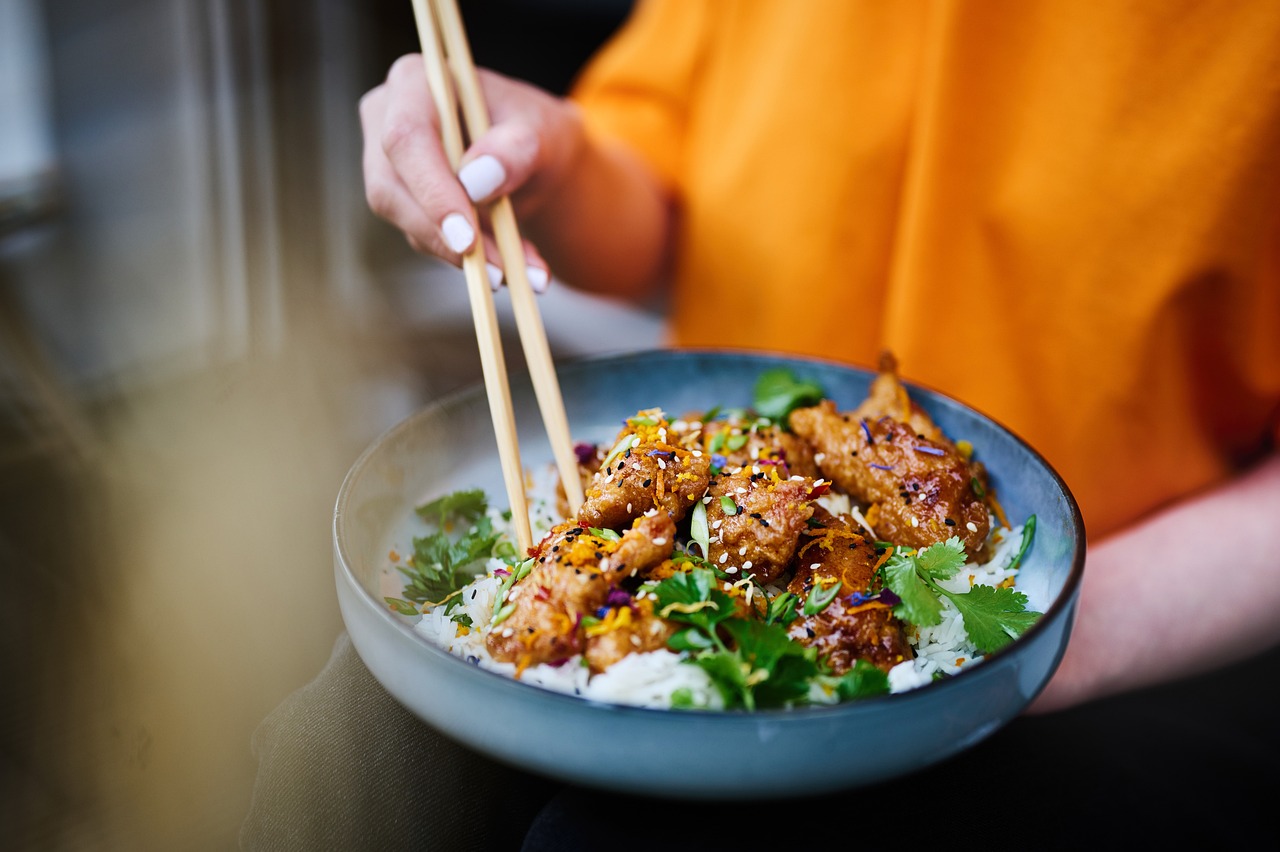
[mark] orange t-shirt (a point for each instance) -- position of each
(1066, 214)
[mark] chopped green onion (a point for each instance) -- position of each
(1028, 533)
(821, 597)
(607, 535)
(698, 528)
(618, 449)
(978, 490)
(735, 442)
(730, 507)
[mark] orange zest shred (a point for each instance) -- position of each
(998, 509)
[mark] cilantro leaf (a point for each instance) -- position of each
(402, 606)
(441, 565)
(919, 604)
(861, 681)
(993, 617)
(725, 671)
(692, 598)
(464, 506)
(779, 668)
(941, 561)
(778, 392)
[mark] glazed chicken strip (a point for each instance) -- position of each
(921, 490)
(848, 629)
(572, 576)
(744, 443)
(755, 520)
(888, 397)
(645, 471)
(626, 629)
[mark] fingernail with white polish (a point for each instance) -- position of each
(539, 280)
(495, 275)
(481, 177)
(458, 234)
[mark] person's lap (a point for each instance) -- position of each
(342, 765)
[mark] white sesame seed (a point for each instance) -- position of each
(728, 586)
(635, 442)
(660, 541)
(819, 457)
(662, 465)
(731, 570)
(697, 454)
(746, 566)
(755, 468)
(740, 491)
(914, 522)
(652, 513)
(724, 557)
(628, 508)
(815, 566)
(755, 454)
(717, 524)
(819, 482)
(706, 499)
(508, 633)
(971, 527)
(742, 551)
(797, 478)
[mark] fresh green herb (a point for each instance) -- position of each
(403, 607)
(607, 535)
(779, 392)
(730, 507)
(462, 618)
(861, 681)
(821, 597)
(682, 698)
(692, 598)
(978, 490)
(710, 415)
(735, 442)
(463, 506)
(698, 528)
(642, 421)
(717, 442)
(442, 564)
(993, 617)
(1028, 533)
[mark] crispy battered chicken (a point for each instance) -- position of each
(760, 535)
(744, 443)
(848, 629)
(646, 471)
(572, 577)
(626, 629)
(921, 490)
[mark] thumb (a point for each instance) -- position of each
(501, 161)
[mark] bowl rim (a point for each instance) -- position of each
(1058, 609)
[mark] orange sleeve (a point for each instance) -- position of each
(636, 90)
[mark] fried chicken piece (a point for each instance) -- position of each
(590, 458)
(648, 472)
(572, 576)
(888, 397)
(762, 533)
(627, 629)
(846, 630)
(922, 490)
(745, 443)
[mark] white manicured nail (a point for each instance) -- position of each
(538, 279)
(495, 275)
(458, 234)
(481, 177)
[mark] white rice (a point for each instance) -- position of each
(650, 679)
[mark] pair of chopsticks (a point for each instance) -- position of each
(450, 70)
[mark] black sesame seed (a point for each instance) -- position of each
(949, 522)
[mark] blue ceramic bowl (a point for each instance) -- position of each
(698, 754)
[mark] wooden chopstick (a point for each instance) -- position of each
(485, 318)
(533, 335)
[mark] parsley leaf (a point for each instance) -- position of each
(919, 604)
(862, 680)
(464, 506)
(778, 392)
(993, 617)
(692, 598)
(441, 564)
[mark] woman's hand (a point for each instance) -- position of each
(594, 209)
(408, 181)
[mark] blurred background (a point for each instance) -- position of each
(201, 327)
